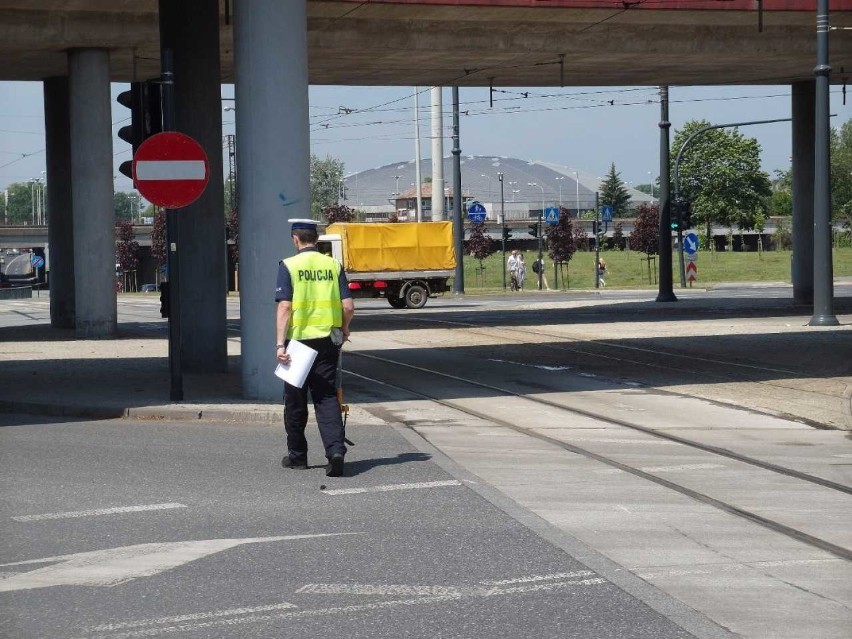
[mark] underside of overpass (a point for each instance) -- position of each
(464, 42)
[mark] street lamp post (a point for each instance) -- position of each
(396, 177)
(503, 226)
(560, 179)
(488, 192)
(540, 248)
(651, 179)
(577, 182)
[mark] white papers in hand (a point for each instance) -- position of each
(301, 359)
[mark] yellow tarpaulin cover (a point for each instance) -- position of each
(403, 246)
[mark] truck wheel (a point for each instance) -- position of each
(416, 296)
(396, 302)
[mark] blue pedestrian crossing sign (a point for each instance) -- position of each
(690, 244)
(606, 213)
(476, 212)
(551, 215)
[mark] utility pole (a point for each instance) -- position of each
(665, 294)
(458, 229)
(597, 236)
(823, 272)
(503, 226)
(417, 189)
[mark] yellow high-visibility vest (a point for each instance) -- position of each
(316, 305)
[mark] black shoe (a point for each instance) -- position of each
(294, 463)
(335, 466)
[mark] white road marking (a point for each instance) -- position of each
(114, 566)
(644, 442)
(191, 617)
(463, 593)
(532, 578)
(99, 511)
(384, 590)
(388, 487)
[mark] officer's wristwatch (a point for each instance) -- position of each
(277, 346)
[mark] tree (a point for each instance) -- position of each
(123, 205)
(561, 244)
(126, 252)
(581, 239)
(720, 174)
(158, 238)
(232, 227)
(781, 200)
(338, 213)
(617, 240)
(20, 204)
(645, 237)
(614, 193)
(841, 173)
(479, 245)
(326, 176)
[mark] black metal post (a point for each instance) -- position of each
(458, 229)
(597, 235)
(823, 271)
(540, 249)
(172, 242)
(666, 293)
(503, 226)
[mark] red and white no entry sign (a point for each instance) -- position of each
(170, 170)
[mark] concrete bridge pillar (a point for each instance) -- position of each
(273, 168)
(60, 224)
(804, 113)
(92, 193)
(190, 28)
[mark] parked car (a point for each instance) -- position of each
(149, 288)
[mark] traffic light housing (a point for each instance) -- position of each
(534, 229)
(685, 214)
(507, 233)
(676, 212)
(595, 228)
(146, 117)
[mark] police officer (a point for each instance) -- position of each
(315, 307)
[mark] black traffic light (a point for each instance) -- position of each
(595, 228)
(507, 233)
(534, 229)
(676, 211)
(685, 214)
(146, 117)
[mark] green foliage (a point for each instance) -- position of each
(614, 193)
(645, 237)
(782, 238)
(617, 241)
(20, 204)
(326, 176)
(841, 173)
(123, 205)
(720, 174)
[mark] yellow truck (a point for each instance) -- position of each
(406, 262)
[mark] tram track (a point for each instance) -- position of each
(721, 504)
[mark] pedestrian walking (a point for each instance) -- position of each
(601, 271)
(512, 266)
(522, 271)
(315, 307)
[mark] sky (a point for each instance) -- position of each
(366, 127)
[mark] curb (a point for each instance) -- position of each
(158, 413)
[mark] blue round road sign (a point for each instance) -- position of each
(690, 244)
(476, 212)
(37, 260)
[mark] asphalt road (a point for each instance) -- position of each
(128, 529)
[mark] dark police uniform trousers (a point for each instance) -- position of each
(322, 383)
